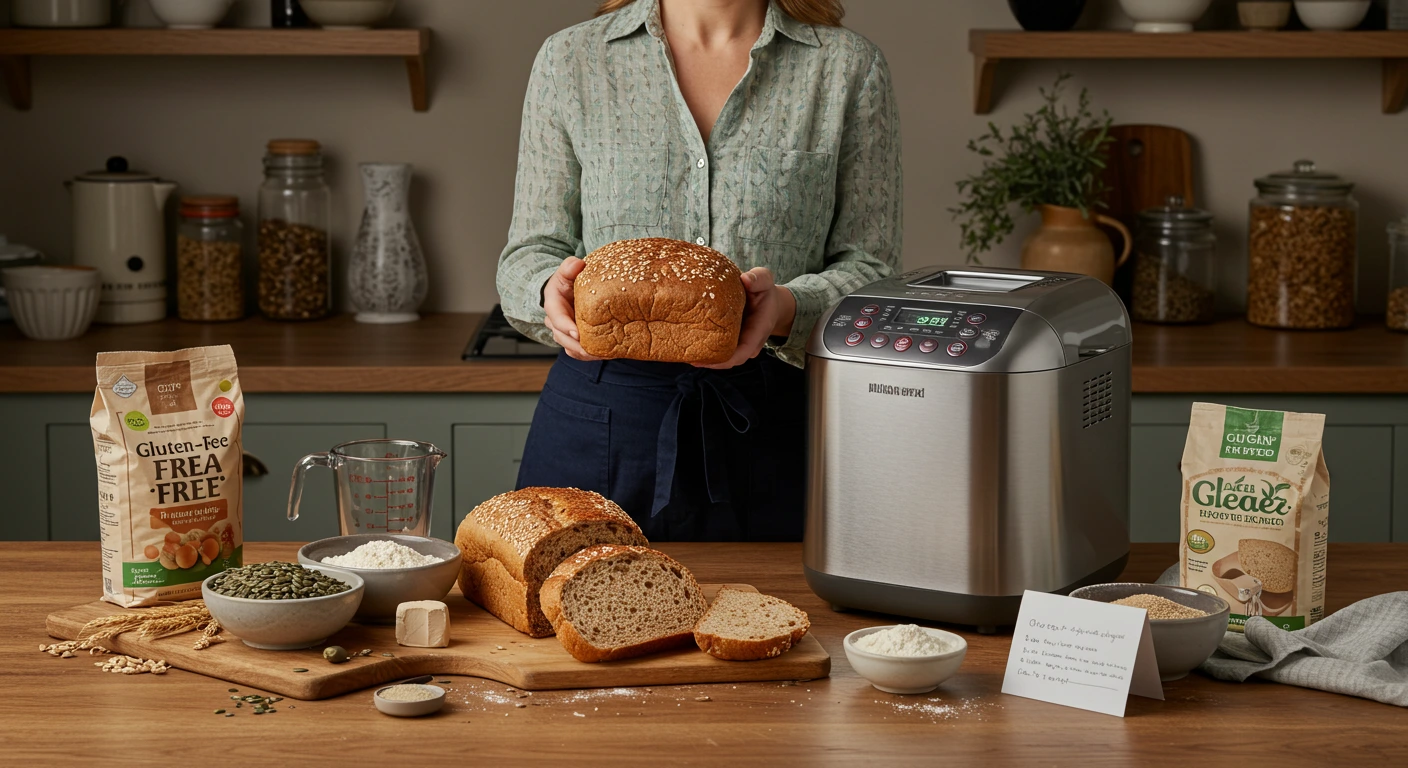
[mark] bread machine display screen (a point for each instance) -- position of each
(927, 318)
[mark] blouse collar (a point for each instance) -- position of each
(646, 13)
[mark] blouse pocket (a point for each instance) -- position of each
(785, 195)
(624, 187)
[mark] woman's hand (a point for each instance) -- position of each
(770, 311)
(558, 304)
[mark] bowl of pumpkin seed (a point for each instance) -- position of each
(282, 606)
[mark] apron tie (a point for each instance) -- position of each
(699, 388)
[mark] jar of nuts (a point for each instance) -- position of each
(1398, 275)
(210, 259)
(295, 251)
(1302, 250)
(1175, 273)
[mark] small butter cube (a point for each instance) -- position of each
(423, 624)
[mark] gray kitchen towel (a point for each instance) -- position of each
(1360, 650)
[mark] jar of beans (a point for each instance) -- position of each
(210, 259)
(1175, 270)
(1303, 249)
(295, 252)
(1398, 275)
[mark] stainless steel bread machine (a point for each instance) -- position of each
(969, 440)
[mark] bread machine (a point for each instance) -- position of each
(969, 440)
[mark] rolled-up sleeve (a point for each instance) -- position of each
(547, 213)
(864, 242)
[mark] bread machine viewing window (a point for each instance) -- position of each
(983, 282)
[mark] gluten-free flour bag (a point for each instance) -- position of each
(166, 435)
(1256, 507)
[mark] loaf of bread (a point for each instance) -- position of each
(510, 543)
(747, 626)
(613, 602)
(658, 299)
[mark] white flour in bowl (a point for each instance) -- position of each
(382, 554)
(904, 640)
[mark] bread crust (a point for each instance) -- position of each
(572, 641)
(659, 299)
(737, 649)
(511, 542)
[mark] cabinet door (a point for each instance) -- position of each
(1155, 482)
(486, 462)
(1360, 460)
(279, 447)
(73, 484)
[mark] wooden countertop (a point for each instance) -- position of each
(339, 355)
(66, 711)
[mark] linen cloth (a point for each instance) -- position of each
(801, 172)
(1360, 650)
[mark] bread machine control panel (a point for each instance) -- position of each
(918, 330)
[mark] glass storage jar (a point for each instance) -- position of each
(210, 259)
(1175, 270)
(295, 251)
(1397, 316)
(1302, 246)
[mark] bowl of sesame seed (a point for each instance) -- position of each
(1187, 624)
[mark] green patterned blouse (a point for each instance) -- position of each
(800, 174)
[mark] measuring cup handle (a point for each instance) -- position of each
(295, 491)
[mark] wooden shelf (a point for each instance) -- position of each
(990, 47)
(18, 46)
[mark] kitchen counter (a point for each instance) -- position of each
(65, 711)
(339, 355)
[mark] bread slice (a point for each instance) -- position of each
(1274, 564)
(510, 543)
(613, 602)
(747, 626)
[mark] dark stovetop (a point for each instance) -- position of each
(496, 339)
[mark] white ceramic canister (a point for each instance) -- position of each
(387, 277)
(119, 228)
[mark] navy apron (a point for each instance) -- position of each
(692, 454)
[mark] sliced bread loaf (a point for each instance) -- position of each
(747, 626)
(613, 602)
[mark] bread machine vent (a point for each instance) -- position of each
(1097, 400)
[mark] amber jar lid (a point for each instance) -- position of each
(210, 207)
(294, 147)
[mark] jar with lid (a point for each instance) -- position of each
(1398, 275)
(210, 259)
(1175, 270)
(295, 251)
(1303, 250)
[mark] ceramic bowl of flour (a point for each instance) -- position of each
(906, 674)
(389, 587)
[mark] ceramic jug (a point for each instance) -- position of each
(387, 277)
(119, 228)
(1069, 242)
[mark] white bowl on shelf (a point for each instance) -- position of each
(62, 14)
(191, 14)
(52, 303)
(348, 14)
(1332, 15)
(1164, 15)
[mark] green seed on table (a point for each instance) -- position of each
(234, 690)
(335, 654)
(219, 711)
(229, 714)
(389, 655)
(299, 669)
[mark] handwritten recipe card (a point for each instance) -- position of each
(1081, 653)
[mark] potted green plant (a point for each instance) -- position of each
(1050, 163)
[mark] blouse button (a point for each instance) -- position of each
(701, 162)
(699, 240)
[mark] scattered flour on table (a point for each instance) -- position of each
(382, 554)
(904, 640)
(936, 709)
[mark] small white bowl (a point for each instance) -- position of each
(1332, 15)
(285, 625)
(348, 14)
(905, 674)
(410, 708)
(389, 587)
(191, 14)
(52, 303)
(1164, 15)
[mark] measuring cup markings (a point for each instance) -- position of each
(366, 498)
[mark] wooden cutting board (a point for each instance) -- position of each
(1145, 165)
(480, 646)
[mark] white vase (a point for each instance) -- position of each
(387, 278)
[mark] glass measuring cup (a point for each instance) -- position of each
(383, 486)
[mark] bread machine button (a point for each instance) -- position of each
(974, 319)
(870, 309)
(903, 343)
(855, 338)
(863, 322)
(879, 340)
(967, 333)
(928, 345)
(957, 348)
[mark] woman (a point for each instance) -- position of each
(759, 128)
